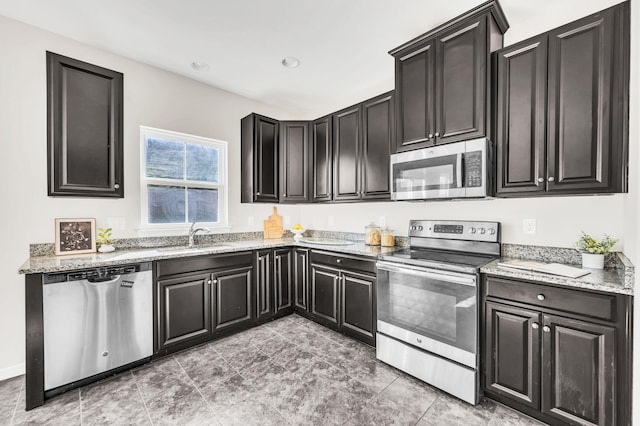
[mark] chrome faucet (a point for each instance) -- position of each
(192, 233)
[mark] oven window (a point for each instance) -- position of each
(423, 175)
(437, 309)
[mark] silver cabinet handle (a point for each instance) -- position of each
(209, 282)
(339, 261)
(430, 135)
(257, 193)
(546, 329)
(437, 134)
(284, 195)
(551, 179)
(215, 281)
(535, 326)
(540, 179)
(116, 186)
(541, 296)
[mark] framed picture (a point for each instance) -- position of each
(75, 236)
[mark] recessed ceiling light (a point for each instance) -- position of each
(291, 62)
(200, 66)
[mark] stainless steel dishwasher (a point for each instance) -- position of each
(96, 320)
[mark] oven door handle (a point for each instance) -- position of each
(468, 280)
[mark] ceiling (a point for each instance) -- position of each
(342, 44)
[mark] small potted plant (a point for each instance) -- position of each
(593, 251)
(105, 240)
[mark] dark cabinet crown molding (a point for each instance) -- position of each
(84, 129)
(492, 7)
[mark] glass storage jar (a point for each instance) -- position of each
(372, 235)
(387, 239)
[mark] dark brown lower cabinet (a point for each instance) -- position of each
(184, 310)
(341, 298)
(264, 284)
(301, 280)
(324, 293)
(232, 297)
(560, 355)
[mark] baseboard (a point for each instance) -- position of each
(13, 371)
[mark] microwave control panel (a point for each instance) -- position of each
(473, 169)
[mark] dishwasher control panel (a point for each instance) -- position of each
(93, 273)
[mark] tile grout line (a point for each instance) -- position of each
(15, 407)
(144, 403)
(80, 404)
(206, 401)
(427, 410)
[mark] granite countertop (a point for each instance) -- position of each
(609, 280)
(51, 263)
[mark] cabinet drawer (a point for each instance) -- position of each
(202, 263)
(586, 303)
(343, 261)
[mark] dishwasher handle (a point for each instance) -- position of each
(98, 280)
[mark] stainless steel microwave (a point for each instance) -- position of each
(456, 170)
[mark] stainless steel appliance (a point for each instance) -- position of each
(96, 320)
(428, 317)
(456, 170)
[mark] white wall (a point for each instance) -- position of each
(151, 97)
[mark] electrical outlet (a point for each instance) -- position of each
(330, 220)
(529, 226)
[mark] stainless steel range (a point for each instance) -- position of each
(428, 318)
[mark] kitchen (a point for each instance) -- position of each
(164, 100)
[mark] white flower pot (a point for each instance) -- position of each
(106, 248)
(593, 261)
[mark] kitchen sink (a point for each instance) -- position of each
(186, 250)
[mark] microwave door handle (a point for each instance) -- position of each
(437, 275)
(459, 171)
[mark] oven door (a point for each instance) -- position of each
(431, 309)
(434, 172)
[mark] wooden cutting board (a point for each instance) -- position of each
(273, 225)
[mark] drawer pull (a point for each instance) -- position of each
(339, 261)
(540, 296)
(546, 329)
(535, 326)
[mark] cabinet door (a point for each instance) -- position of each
(294, 161)
(264, 284)
(581, 68)
(184, 310)
(357, 315)
(378, 135)
(578, 371)
(232, 298)
(283, 280)
(324, 293)
(266, 160)
(84, 129)
(346, 154)
(521, 117)
(301, 278)
(512, 353)
(322, 159)
(415, 98)
(461, 81)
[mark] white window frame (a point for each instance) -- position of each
(153, 229)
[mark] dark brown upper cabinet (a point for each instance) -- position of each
(443, 80)
(294, 161)
(362, 140)
(378, 136)
(84, 123)
(322, 159)
(346, 153)
(562, 109)
(260, 159)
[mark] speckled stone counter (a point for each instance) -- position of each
(609, 280)
(51, 263)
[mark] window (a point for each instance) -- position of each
(183, 179)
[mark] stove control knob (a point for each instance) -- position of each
(483, 231)
(420, 228)
(492, 231)
(472, 230)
